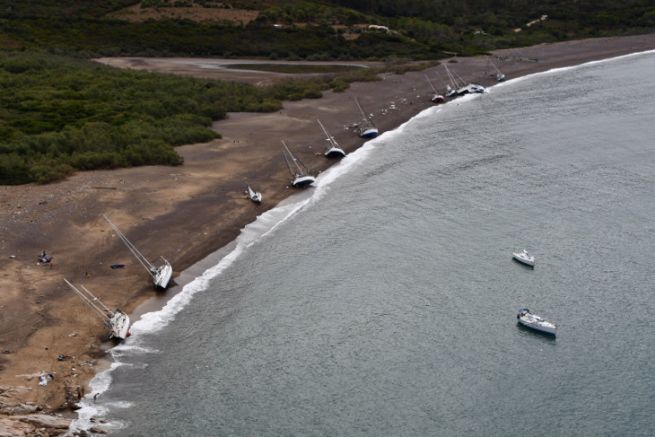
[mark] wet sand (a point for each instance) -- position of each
(182, 213)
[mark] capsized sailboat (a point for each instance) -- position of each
(117, 321)
(298, 170)
(332, 149)
(161, 275)
(253, 195)
(436, 97)
(366, 128)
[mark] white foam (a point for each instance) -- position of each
(572, 67)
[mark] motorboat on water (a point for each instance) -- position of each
(533, 321)
(117, 321)
(298, 170)
(366, 129)
(332, 149)
(253, 195)
(161, 274)
(524, 258)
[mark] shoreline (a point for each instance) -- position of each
(203, 211)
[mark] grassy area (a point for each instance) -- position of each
(296, 68)
(65, 114)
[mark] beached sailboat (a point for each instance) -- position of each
(298, 170)
(161, 275)
(332, 149)
(117, 321)
(253, 195)
(453, 86)
(500, 77)
(458, 88)
(366, 128)
(436, 97)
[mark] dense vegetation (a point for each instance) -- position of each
(318, 29)
(59, 113)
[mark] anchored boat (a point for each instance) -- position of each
(117, 321)
(436, 97)
(298, 170)
(161, 275)
(332, 150)
(524, 258)
(253, 195)
(366, 128)
(533, 321)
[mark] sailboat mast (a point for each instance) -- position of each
(88, 301)
(327, 135)
(360, 109)
(293, 159)
(138, 255)
(430, 82)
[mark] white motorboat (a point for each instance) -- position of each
(533, 321)
(298, 170)
(366, 128)
(524, 257)
(117, 321)
(332, 149)
(161, 275)
(253, 195)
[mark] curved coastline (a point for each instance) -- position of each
(264, 225)
(161, 310)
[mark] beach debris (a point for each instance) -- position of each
(117, 266)
(62, 357)
(73, 334)
(45, 378)
(12, 256)
(44, 258)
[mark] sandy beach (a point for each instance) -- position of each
(182, 213)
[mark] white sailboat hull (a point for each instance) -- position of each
(438, 98)
(334, 152)
(303, 181)
(120, 325)
(255, 196)
(162, 275)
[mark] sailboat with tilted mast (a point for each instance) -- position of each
(161, 274)
(436, 97)
(458, 88)
(366, 128)
(117, 321)
(332, 149)
(500, 77)
(298, 170)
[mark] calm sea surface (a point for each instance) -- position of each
(385, 306)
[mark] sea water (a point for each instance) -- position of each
(383, 301)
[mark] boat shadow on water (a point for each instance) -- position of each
(549, 338)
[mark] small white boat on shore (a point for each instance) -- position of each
(533, 321)
(117, 321)
(524, 258)
(436, 97)
(253, 195)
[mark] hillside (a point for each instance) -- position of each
(310, 29)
